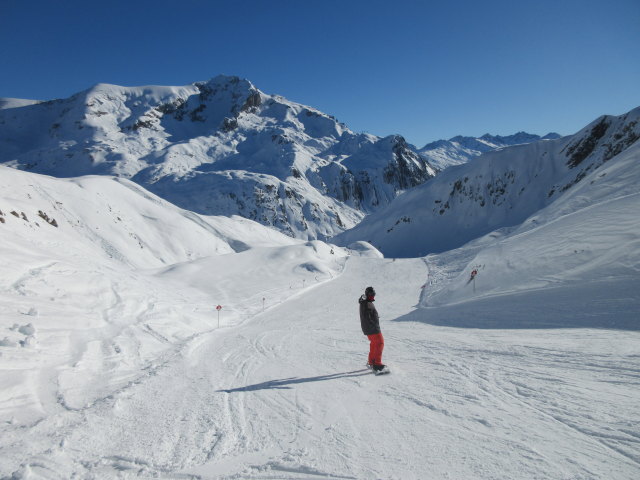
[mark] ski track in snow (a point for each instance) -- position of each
(285, 395)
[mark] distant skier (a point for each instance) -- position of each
(474, 272)
(370, 323)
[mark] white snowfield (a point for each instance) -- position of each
(113, 366)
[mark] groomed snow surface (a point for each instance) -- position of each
(113, 365)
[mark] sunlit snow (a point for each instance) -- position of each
(115, 361)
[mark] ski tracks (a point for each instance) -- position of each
(283, 397)
(529, 394)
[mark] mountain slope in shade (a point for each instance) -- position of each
(501, 189)
(220, 147)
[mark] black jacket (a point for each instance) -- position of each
(369, 319)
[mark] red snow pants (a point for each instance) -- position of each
(375, 348)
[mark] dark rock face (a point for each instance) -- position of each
(584, 147)
(408, 169)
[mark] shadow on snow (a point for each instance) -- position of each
(286, 383)
(612, 304)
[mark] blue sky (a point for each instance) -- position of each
(426, 70)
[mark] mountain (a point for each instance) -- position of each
(502, 189)
(220, 147)
(458, 150)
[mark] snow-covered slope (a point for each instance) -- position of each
(458, 150)
(585, 245)
(15, 103)
(501, 189)
(113, 218)
(124, 374)
(88, 297)
(112, 369)
(220, 147)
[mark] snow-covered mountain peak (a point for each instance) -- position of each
(217, 147)
(460, 149)
(515, 139)
(238, 94)
(228, 82)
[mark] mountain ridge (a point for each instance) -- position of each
(218, 147)
(499, 190)
(461, 149)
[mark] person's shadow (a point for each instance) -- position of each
(285, 383)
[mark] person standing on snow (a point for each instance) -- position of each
(370, 323)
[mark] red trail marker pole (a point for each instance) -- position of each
(218, 308)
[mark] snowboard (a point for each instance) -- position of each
(384, 371)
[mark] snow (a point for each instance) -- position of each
(114, 366)
(6, 103)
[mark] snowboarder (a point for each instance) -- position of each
(370, 323)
